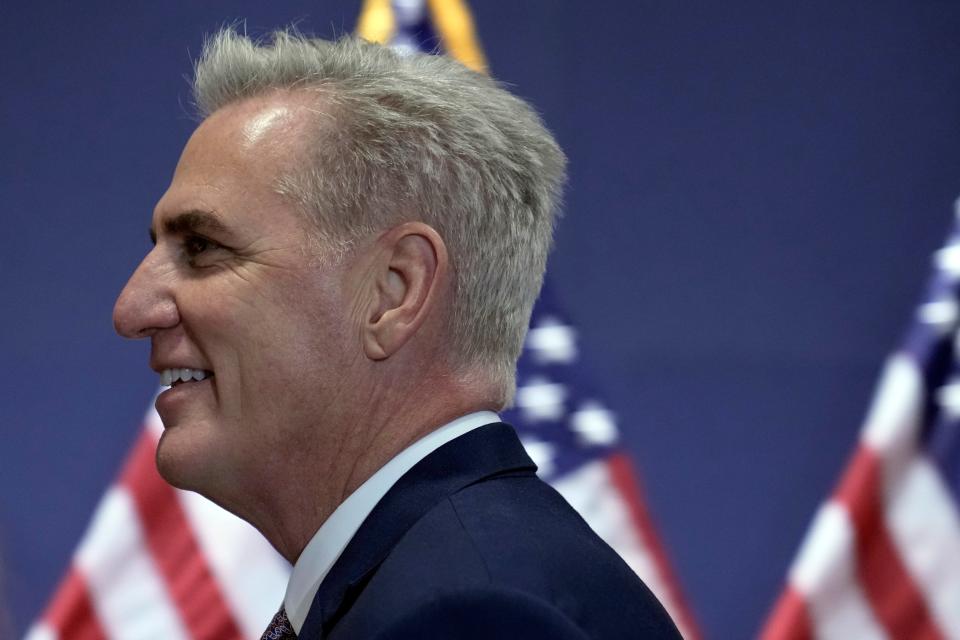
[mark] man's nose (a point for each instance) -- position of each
(146, 303)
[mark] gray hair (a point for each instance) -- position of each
(415, 137)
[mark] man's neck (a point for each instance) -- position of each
(325, 547)
(329, 475)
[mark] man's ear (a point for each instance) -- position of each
(410, 265)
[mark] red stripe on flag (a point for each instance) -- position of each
(628, 485)
(170, 540)
(895, 599)
(790, 619)
(71, 611)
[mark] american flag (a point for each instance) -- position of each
(161, 563)
(882, 556)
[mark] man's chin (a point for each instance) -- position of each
(184, 461)
(171, 465)
(191, 464)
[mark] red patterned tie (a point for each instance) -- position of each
(279, 628)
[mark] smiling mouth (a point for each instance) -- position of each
(174, 377)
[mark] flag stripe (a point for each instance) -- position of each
(587, 491)
(252, 588)
(889, 587)
(250, 573)
(126, 590)
(43, 631)
(790, 619)
(170, 540)
(627, 484)
(925, 527)
(825, 574)
(592, 491)
(71, 610)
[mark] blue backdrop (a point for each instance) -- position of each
(756, 188)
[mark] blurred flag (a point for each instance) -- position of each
(882, 556)
(161, 563)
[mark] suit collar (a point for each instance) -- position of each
(487, 451)
(322, 551)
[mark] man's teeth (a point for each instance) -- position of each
(169, 376)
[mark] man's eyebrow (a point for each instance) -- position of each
(190, 222)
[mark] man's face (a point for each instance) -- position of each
(233, 291)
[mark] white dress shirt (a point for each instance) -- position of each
(333, 536)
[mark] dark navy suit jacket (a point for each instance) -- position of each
(471, 544)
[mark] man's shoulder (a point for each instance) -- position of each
(506, 544)
(478, 614)
(524, 530)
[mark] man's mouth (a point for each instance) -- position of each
(173, 377)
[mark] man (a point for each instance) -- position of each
(344, 267)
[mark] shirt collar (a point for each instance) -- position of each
(331, 539)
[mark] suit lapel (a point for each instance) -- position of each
(487, 451)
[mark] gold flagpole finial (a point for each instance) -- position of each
(376, 22)
(454, 21)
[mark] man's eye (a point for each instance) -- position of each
(193, 246)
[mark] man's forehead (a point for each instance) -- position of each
(264, 123)
(234, 154)
(277, 117)
(257, 138)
